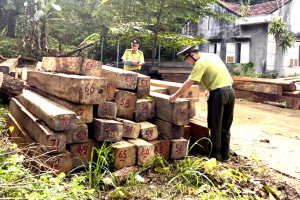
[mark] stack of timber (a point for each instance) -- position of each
(182, 122)
(74, 105)
(278, 92)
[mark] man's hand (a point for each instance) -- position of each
(173, 98)
(206, 94)
(134, 62)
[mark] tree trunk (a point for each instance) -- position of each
(156, 35)
(44, 36)
(11, 23)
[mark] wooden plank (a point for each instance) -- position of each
(72, 65)
(54, 115)
(178, 78)
(192, 93)
(110, 91)
(126, 102)
(175, 113)
(148, 131)
(200, 134)
(105, 129)
(192, 109)
(162, 90)
(258, 87)
(145, 152)
(288, 85)
(124, 153)
(143, 86)
(9, 65)
(162, 147)
(295, 93)
(1, 78)
(74, 88)
(42, 160)
(11, 87)
(77, 135)
(144, 110)
(187, 132)
(123, 78)
(81, 153)
(107, 109)
(169, 130)
(291, 102)
(84, 112)
(53, 141)
(178, 148)
(175, 71)
(131, 129)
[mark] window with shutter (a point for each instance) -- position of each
(230, 52)
(245, 52)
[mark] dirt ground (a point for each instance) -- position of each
(266, 133)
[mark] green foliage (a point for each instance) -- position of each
(98, 170)
(3, 114)
(270, 74)
(11, 47)
(18, 182)
(282, 36)
(248, 67)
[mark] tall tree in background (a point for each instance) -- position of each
(9, 11)
(158, 18)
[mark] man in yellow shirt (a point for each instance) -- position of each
(133, 58)
(210, 70)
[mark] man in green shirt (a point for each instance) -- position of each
(133, 58)
(210, 70)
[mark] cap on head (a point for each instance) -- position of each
(135, 42)
(188, 50)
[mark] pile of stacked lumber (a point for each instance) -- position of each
(196, 130)
(279, 92)
(75, 104)
(9, 85)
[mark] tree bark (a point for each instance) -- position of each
(75, 50)
(11, 23)
(156, 34)
(44, 36)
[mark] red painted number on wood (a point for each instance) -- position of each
(125, 103)
(128, 130)
(55, 164)
(178, 148)
(90, 89)
(145, 152)
(82, 150)
(106, 108)
(123, 154)
(128, 78)
(149, 133)
(144, 108)
(79, 112)
(182, 112)
(89, 65)
(65, 122)
(144, 83)
(81, 135)
(173, 131)
(109, 131)
(158, 149)
(54, 142)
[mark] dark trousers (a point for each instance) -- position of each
(220, 106)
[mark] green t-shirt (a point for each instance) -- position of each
(136, 56)
(211, 71)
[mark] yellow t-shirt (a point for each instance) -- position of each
(136, 56)
(211, 71)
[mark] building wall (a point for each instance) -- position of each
(258, 44)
